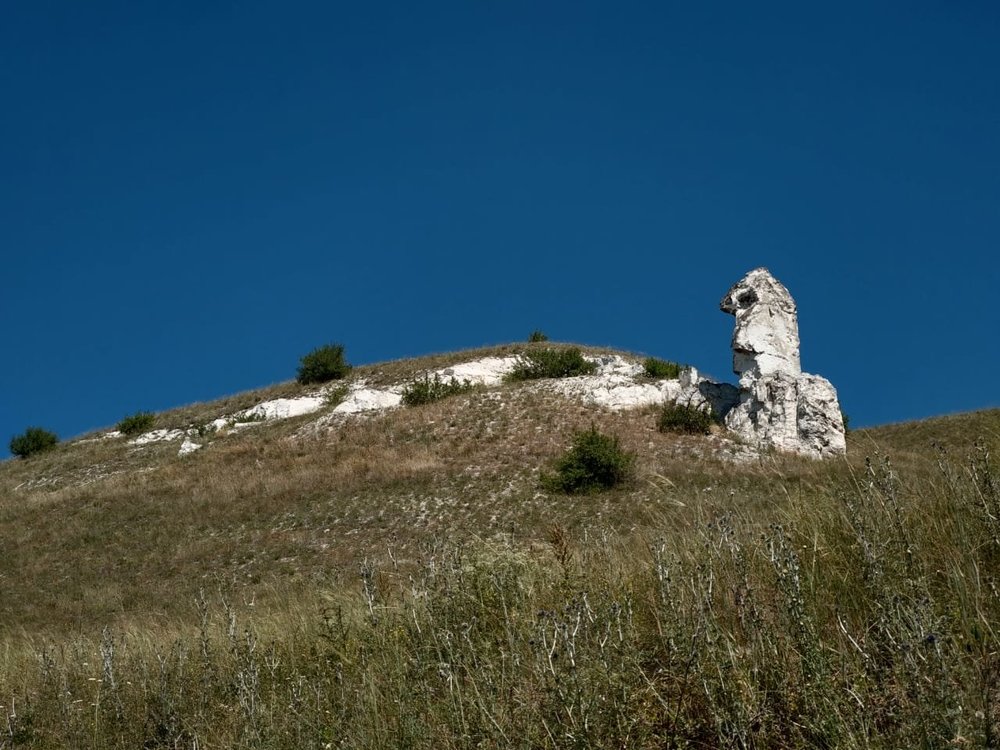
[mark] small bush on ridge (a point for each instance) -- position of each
(594, 462)
(661, 369)
(427, 390)
(537, 336)
(33, 440)
(685, 419)
(323, 364)
(551, 363)
(141, 421)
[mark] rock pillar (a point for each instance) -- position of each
(779, 405)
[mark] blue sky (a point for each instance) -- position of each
(192, 195)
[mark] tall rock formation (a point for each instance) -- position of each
(779, 405)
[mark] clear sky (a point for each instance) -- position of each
(194, 194)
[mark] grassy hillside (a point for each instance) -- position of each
(404, 580)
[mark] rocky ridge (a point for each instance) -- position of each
(775, 406)
(618, 384)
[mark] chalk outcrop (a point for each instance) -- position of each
(779, 406)
(188, 446)
(776, 405)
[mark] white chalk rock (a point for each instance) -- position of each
(488, 371)
(613, 385)
(188, 446)
(779, 406)
(766, 336)
(368, 399)
(821, 423)
(157, 436)
(767, 412)
(283, 408)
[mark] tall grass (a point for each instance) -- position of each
(860, 618)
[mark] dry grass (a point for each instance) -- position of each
(105, 532)
(794, 619)
(280, 518)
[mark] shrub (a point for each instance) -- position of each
(594, 462)
(249, 417)
(685, 419)
(335, 396)
(323, 364)
(551, 363)
(33, 440)
(661, 369)
(537, 337)
(427, 390)
(141, 421)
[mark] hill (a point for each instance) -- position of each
(356, 575)
(115, 527)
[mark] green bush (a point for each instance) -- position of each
(594, 462)
(661, 369)
(335, 396)
(249, 417)
(551, 363)
(537, 336)
(33, 440)
(323, 364)
(141, 421)
(685, 419)
(427, 390)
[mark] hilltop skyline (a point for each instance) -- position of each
(195, 196)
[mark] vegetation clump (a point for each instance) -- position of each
(249, 417)
(323, 364)
(685, 419)
(660, 369)
(537, 337)
(335, 396)
(595, 461)
(134, 424)
(427, 390)
(551, 363)
(33, 440)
